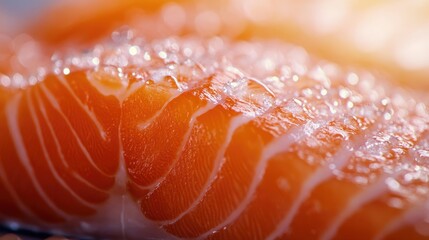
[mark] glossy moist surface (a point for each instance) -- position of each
(191, 137)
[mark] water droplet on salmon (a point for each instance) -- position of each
(393, 184)
(295, 78)
(134, 50)
(147, 56)
(396, 203)
(162, 54)
(123, 34)
(66, 71)
(5, 80)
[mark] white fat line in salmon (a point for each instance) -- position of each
(121, 179)
(59, 148)
(48, 157)
(85, 108)
(148, 122)
(200, 112)
(210, 105)
(120, 215)
(16, 136)
(324, 173)
(369, 194)
(17, 200)
(236, 122)
(298, 133)
(54, 103)
(410, 216)
(278, 146)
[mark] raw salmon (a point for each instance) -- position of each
(145, 136)
(188, 137)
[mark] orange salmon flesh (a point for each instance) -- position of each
(148, 136)
(205, 138)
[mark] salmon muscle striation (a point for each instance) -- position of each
(190, 137)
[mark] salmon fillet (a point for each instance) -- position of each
(191, 137)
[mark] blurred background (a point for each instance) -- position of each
(391, 36)
(382, 35)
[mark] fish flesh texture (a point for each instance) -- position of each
(207, 138)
